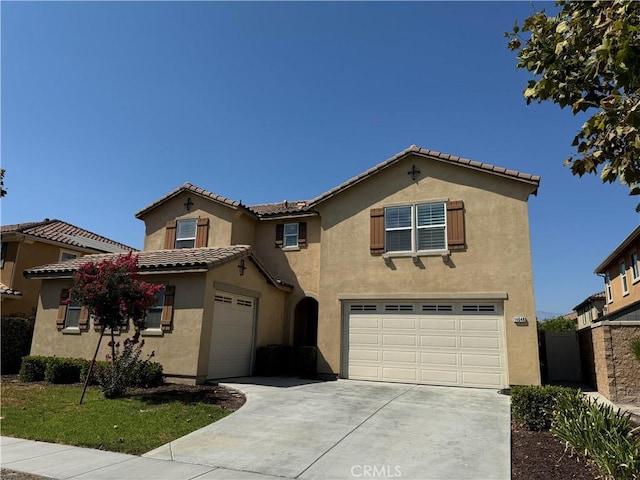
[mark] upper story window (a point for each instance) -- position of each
(411, 228)
(186, 233)
(64, 256)
(635, 272)
(421, 228)
(607, 284)
(291, 235)
(623, 277)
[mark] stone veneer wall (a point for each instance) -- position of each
(617, 370)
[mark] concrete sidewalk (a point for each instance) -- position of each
(63, 461)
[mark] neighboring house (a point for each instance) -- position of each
(589, 310)
(608, 363)
(27, 245)
(417, 270)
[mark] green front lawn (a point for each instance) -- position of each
(134, 424)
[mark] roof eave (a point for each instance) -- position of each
(618, 251)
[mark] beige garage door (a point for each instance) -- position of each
(231, 336)
(428, 343)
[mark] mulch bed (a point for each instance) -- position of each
(542, 456)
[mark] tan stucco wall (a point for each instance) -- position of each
(300, 267)
(620, 300)
(617, 370)
(221, 221)
(270, 306)
(497, 259)
(584, 320)
(22, 255)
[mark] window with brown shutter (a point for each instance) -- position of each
(377, 231)
(455, 225)
(202, 232)
(166, 322)
(291, 235)
(62, 308)
(170, 235)
(279, 235)
(302, 234)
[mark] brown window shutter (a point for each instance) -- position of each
(167, 308)
(170, 235)
(302, 234)
(455, 225)
(97, 326)
(62, 308)
(202, 232)
(83, 322)
(377, 231)
(279, 235)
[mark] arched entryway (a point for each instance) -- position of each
(305, 323)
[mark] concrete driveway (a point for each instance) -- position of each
(350, 429)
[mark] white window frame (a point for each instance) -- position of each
(186, 239)
(295, 236)
(156, 308)
(607, 284)
(635, 270)
(414, 228)
(72, 307)
(66, 252)
(623, 277)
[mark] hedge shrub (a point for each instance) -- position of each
(533, 405)
(273, 360)
(15, 342)
(63, 370)
(32, 369)
(306, 362)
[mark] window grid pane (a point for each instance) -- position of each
(430, 214)
(72, 318)
(186, 229)
(431, 238)
(398, 241)
(397, 217)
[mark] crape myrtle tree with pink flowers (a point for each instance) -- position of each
(113, 294)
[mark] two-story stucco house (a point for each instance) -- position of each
(26, 245)
(417, 270)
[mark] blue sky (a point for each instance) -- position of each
(108, 106)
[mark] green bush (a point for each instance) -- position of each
(15, 341)
(99, 368)
(32, 369)
(635, 347)
(307, 362)
(558, 324)
(533, 405)
(600, 433)
(63, 370)
(148, 375)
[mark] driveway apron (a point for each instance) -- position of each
(351, 429)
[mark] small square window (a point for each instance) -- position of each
(186, 233)
(64, 256)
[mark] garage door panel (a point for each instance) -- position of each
(479, 325)
(447, 324)
(406, 340)
(486, 343)
(438, 341)
(403, 374)
(452, 347)
(435, 358)
(365, 322)
(402, 323)
(400, 357)
(481, 360)
(364, 339)
(447, 377)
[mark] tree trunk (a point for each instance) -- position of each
(93, 362)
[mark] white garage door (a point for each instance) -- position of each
(430, 343)
(231, 336)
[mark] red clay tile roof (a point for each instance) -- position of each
(618, 251)
(193, 189)
(595, 296)
(9, 292)
(156, 261)
(534, 180)
(280, 208)
(67, 234)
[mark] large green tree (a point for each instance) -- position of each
(587, 57)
